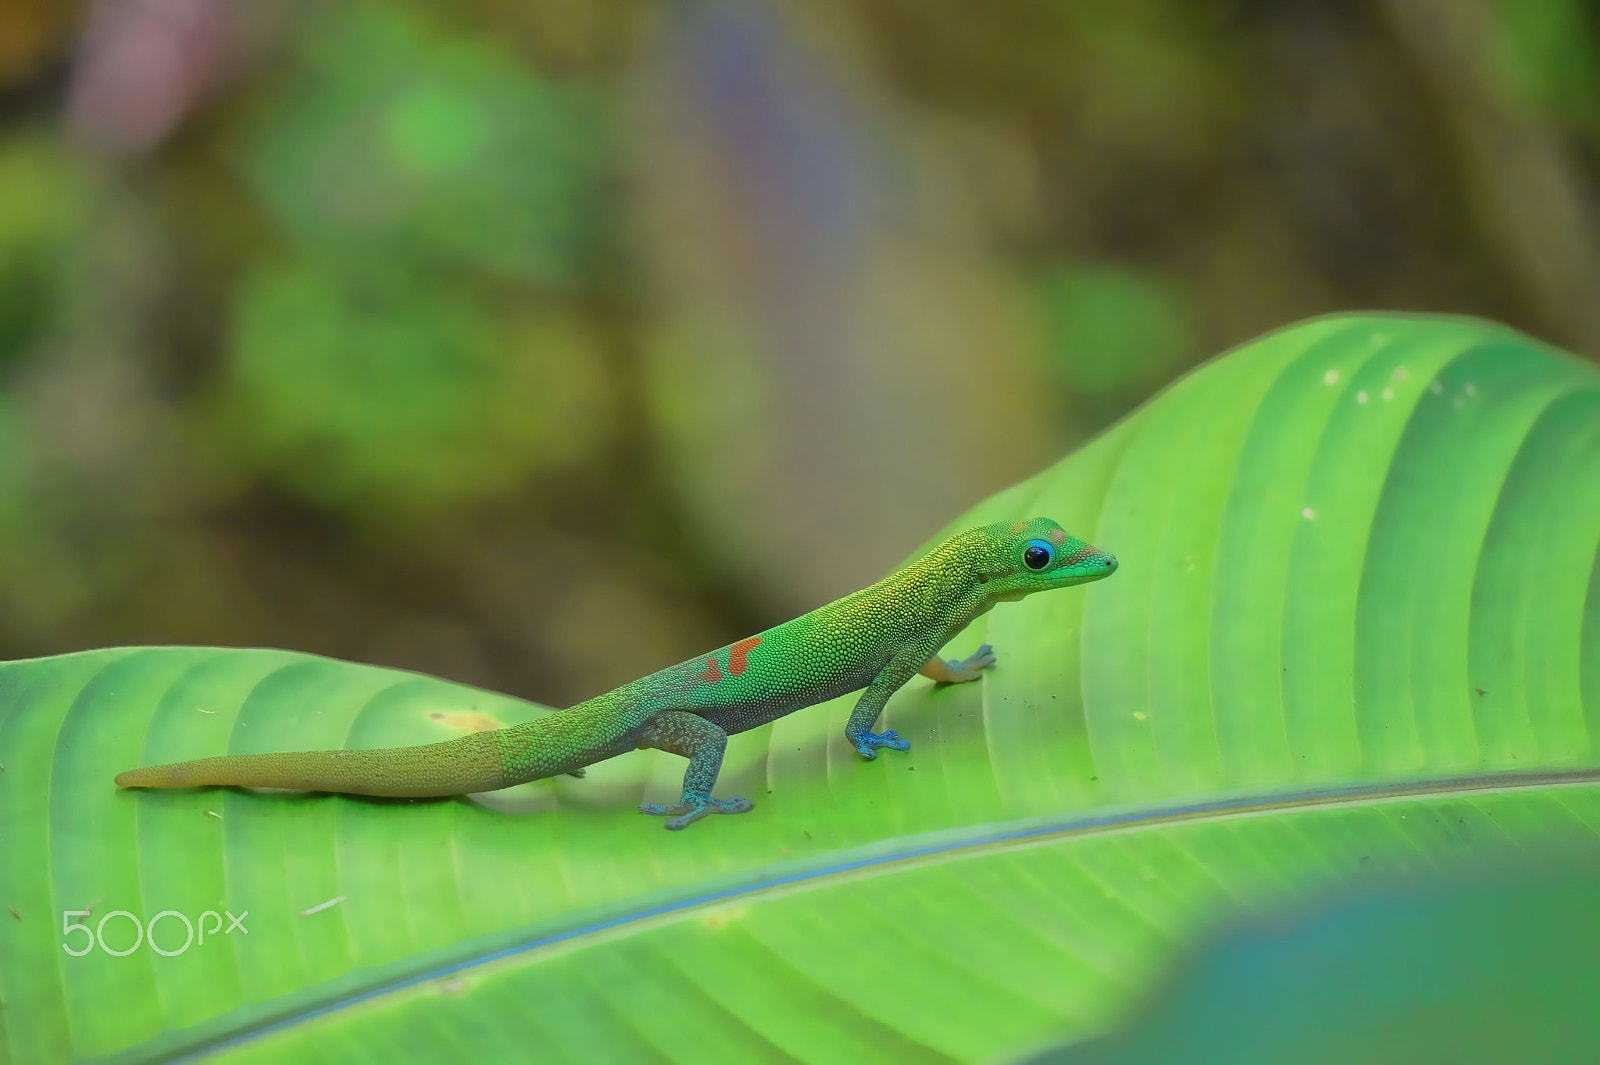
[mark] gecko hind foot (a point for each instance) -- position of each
(982, 658)
(965, 669)
(693, 807)
(867, 744)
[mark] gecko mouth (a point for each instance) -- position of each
(1094, 567)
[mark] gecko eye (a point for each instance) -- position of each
(1037, 554)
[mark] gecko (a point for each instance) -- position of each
(873, 641)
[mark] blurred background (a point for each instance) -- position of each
(541, 343)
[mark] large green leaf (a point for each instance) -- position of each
(1356, 632)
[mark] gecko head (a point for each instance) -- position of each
(1018, 558)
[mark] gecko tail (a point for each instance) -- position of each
(460, 766)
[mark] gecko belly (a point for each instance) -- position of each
(739, 712)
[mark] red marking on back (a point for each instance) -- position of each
(737, 653)
(713, 672)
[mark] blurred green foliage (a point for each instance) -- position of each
(515, 341)
(388, 358)
(39, 192)
(386, 391)
(1115, 334)
(1548, 56)
(392, 139)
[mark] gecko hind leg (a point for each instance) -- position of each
(702, 742)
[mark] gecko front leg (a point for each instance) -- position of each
(858, 730)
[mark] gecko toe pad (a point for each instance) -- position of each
(692, 808)
(867, 744)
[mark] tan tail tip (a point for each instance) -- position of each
(147, 777)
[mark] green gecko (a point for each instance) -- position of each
(876, 639)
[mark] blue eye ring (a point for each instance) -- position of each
(1037, 554)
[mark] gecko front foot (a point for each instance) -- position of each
(692, 808)
(868, 742)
